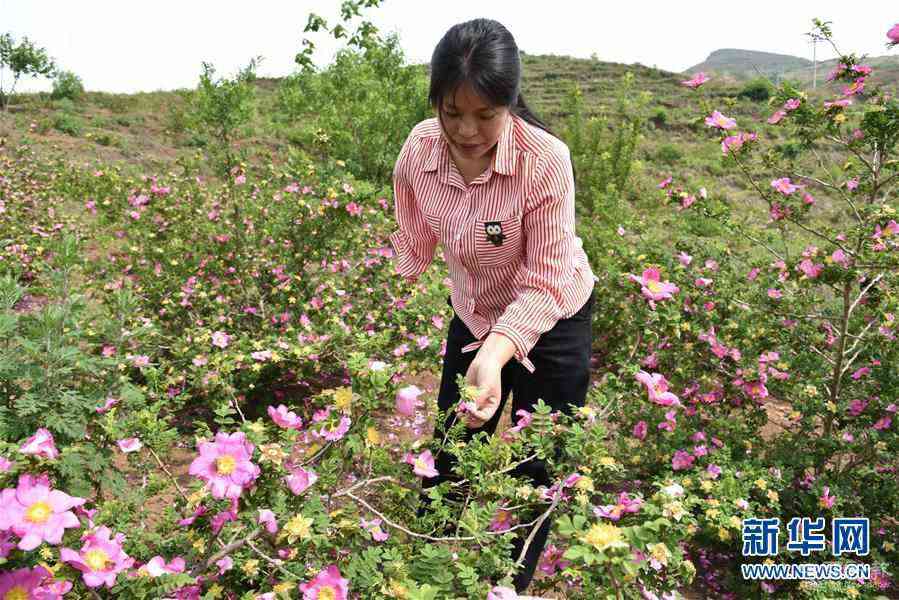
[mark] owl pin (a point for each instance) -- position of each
(494, 230)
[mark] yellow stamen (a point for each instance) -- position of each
(225, 464)
(39, 512)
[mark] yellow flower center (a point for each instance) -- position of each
(225, 464)
(653, 285)
(96, 559)
(326, 593)
(39, 512)
(16, 593)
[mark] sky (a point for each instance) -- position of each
(130, 46)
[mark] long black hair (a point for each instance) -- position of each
(483, 53)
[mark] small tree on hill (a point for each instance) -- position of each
(22, 59)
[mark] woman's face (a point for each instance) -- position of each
(472, 126)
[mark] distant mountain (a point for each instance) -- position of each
(740, 65)
(746, 64)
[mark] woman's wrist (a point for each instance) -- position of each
(497, 347)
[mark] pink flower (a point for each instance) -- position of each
(502, 520)
(267, 518)
(27, 583)
(652, 286)
(224, 564)
(407, 400)
(755, 389)
(129, 445)
(110, 402)
(774, 294)
(327, 585)
(811, 270)
(852, 184)
(501, 593)
(40, 444)
(156, 566)
(784, 186)
(699, 79)
(374, 527)
(524, 419)
(100, 559)
(657, 387)
(225, 465)
(285, 418)
(220, 339)
(838, 103)
(240, 179)
(733, 143)
(776, 117)
(861, 373)
(893, 34)
(423, 464)
(826, 500)
(792, 104)
(140, 361)
(684, 258)
(337, 429)
(300, 479)
(716, 119)
(892, 228)
(713, 470)
(616, 511)
(883, 423)
(552, 560)
(640, 430)
(681, 460)
(665, 183)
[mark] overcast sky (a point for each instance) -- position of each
(129, 46)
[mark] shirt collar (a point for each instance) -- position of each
(504, 161)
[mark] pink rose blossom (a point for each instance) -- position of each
(36, 513)
(129, 445)
(657, 387)
(285, 418)
(717, 120)
(407, 400)
(28, 583)
(699, 79)
(423, 464)
(327, 585)
(267, 518)
(374, 527)
(300, 479)
(640, 430)
(225, 465)
(682, 460)
(40, 444)
(100, 559)
(220, 339)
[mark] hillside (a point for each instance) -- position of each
(740, 65)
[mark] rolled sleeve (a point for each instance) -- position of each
(413, 241)
(548, 224)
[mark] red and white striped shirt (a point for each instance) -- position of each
(516, 266)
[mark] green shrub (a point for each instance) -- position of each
(365, 103)
(659, 118)
(68, 124)
(757, 90)
(67, 85)
(669, 154)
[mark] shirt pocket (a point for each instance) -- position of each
(498, 242)
(434, 224)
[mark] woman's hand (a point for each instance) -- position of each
(484, 373)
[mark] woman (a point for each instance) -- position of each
(488, 180)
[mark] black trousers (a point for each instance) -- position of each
(561, 377)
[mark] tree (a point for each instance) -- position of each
(22, 59)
